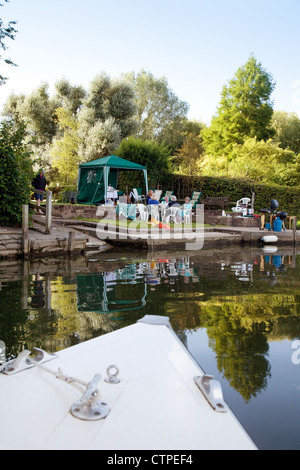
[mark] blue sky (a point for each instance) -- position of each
(198, 45)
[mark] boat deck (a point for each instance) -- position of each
(156, 404)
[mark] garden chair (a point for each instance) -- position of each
(138, 197)
(157, 194)
(171, 217)
(187, 216)
(168, 194)
(195, 198)
(153, 210)
(143, 211)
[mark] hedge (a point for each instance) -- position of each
(236, 188)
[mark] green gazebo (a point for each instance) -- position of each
(94, 177)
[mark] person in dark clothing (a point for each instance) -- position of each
(173, 202)
(39, 182)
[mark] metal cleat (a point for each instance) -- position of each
(212, 391)
(23, 361)
(89, 407)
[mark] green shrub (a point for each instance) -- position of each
(15, 173)
(236, 188)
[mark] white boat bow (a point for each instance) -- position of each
(152, 393)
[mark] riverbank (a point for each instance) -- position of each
(61, 241)
(69, 236)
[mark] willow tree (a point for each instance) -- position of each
(160, 113)
(106, 116)
(245, 110)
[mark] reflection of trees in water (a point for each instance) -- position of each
(241, 353)
(239, 328)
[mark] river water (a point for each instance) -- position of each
(237, 312)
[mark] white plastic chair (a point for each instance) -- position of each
(172, 215)
(157, 194)
(163, 209)
(187, 216)
(143, 212)
(137, 197)
(153, 210)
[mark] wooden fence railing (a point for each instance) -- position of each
(47, 210)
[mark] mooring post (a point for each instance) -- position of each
(48, 211)
(295, 231)
(71, 242)
(25, 230)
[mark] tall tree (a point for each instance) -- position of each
(148, 153)
(68, 95)
(6, 32)
(160, 113)
(106, 116)
(190, 154)
(245, 110)
(64, 150)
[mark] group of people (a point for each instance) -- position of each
(167, 203)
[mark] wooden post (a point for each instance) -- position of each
(25, 231)
(295, 231)
(252, 200)
(71, 242)
(25, 220)
(48, 211)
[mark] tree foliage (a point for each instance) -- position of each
(245, 110)
(15, 173)
(103, 115)
(64, 150)
(151, 154)
(287, 128)
(70, 96)
(259, 161)
(6, 32)
(189, 155)
(160, 113)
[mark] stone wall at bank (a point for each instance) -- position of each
(10, 244)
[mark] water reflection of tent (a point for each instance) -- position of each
(94, 177)
(97, 293)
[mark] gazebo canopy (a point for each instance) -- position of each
(94, 177)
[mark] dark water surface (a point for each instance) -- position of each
(238, 313)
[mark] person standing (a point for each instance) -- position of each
(39, 182)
